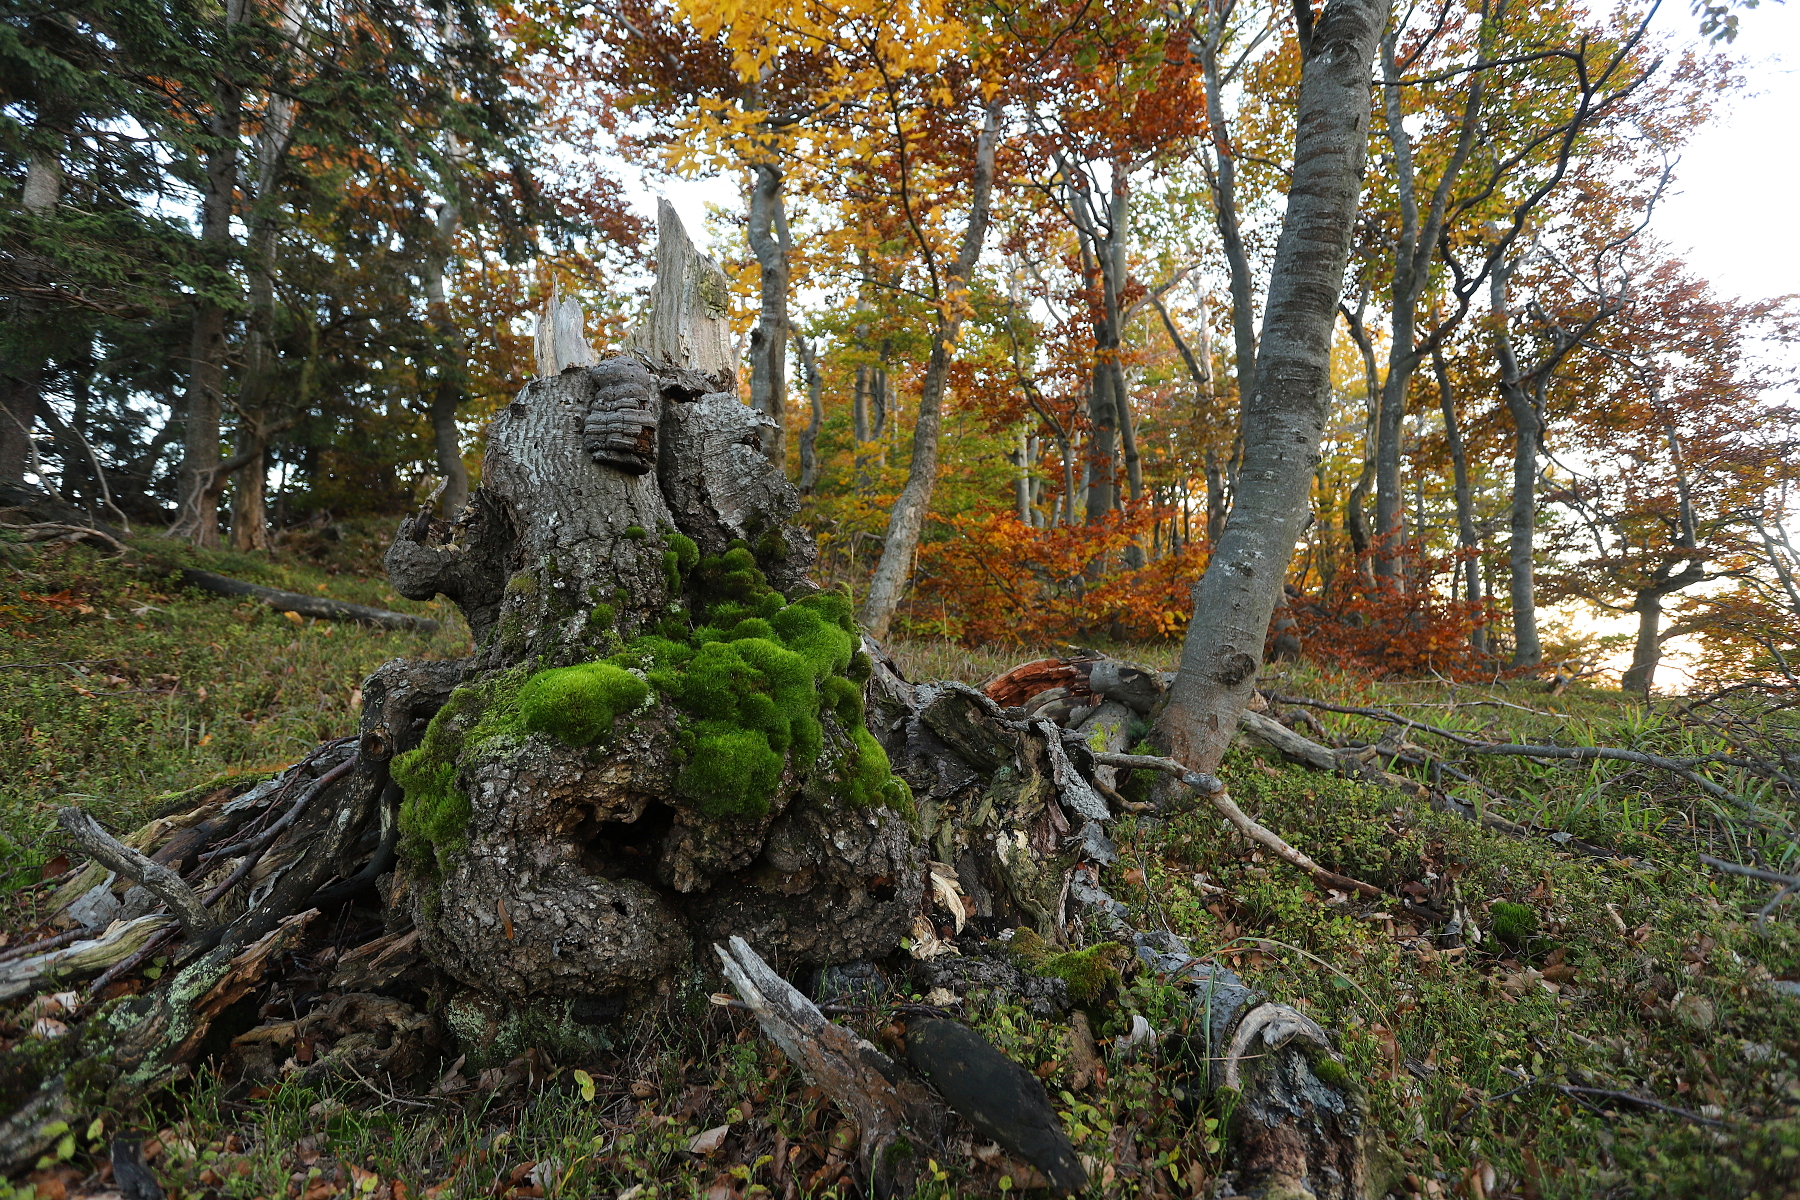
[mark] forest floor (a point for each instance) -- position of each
(1627, 1028)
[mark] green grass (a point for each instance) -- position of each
(118, 686)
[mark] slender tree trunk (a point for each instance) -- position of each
(1284, 417)
(809, 437)
(197, 517)
(1413, 252)
(21, 378)
(908, 519)
(1216, 510)
(1528, 651)
(768, 340)
(1356, 519)
(249, 500)
(1467, 540)
(1646, 652)
(1223, 177)
(448, 388)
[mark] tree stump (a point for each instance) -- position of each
(659, 740)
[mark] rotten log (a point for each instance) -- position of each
(306, 606)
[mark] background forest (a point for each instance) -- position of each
(996, 269)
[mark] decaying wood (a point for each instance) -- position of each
(686, 325)
(84, 958)
(307, 606)
(895, 1116)
(165, 884)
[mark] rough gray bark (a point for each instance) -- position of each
(1284, 417)
(907, 521)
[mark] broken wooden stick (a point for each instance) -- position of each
(307, 606)
(122, 941)
(886, 1104)
(1213, 789)
(157, 879)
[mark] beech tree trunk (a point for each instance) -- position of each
(1528, 651)
(1284, 418)
(768, 339)
(907, 521)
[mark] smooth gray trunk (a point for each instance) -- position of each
(1284, 417)
(1231, 238)
(1646, 651)
(448, 388)
(1413, 254)
(907, 520)
(1467, 540)
(768, 340)
(1528, 650)
(809, 437)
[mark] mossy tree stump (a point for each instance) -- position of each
(659, 740)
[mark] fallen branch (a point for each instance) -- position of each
(45, 531)
(1674, 766)
(81, 959)
(307, 606)
(860, 1078)
(157, 879)
(1214, 790)
(1731, 868)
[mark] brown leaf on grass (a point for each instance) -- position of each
(709, 1141)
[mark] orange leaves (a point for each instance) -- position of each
(1385, 630)
(999, 580)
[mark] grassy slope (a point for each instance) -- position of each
(117, 685)
(1643, 974)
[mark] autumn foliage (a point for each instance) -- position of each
(996, 580)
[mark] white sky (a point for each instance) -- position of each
(1732, 202)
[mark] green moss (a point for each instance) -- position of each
(1089, 973)
(1028, 947)
(602, 616)
(578, 704)
(1331, 1073)
(1513, 924)
(636, 533)
(523, 583)
(687, 553)
(434, 813)
(754, 677)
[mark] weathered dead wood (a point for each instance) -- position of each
(56, 968)
(895, 1116)
(165, 884)
(48, 531)
(307, 606)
